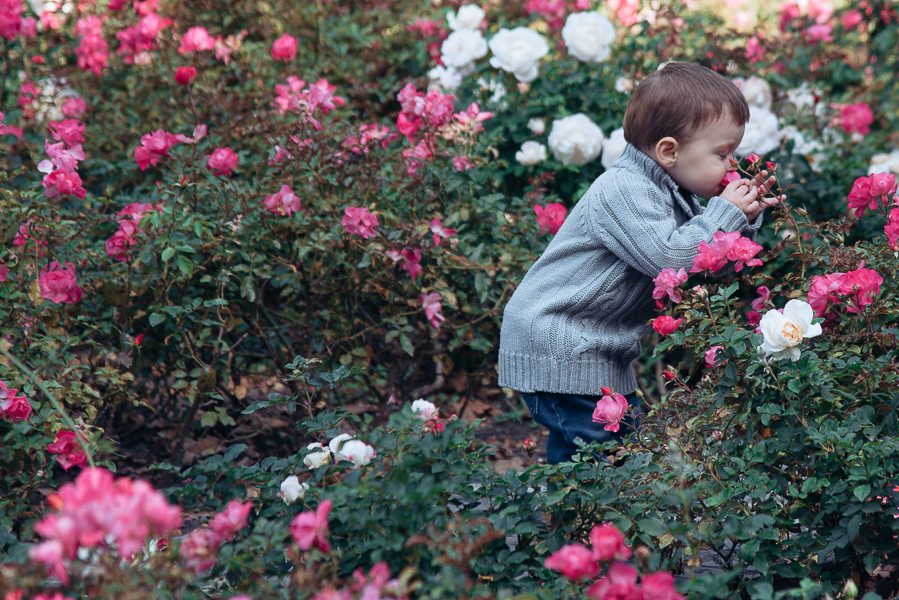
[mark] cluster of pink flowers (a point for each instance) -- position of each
(856, 118)
(285, 48)
(376, 585)
(755, 50)
(578, 562)
(418, 154)
(859, 287)
(891, 229)
(221, 161)
(667, 282)
(11, 22)
(58, 284)
(304, 101)
(409, 260)
(550, 218)
(128, 218)
(97, 508)
(818, 10)
(138, 40)
(871, 192)
(555, 11)
(726, 246)
(196, 39)
(625, 10)
(154, 146)
(68, 449)
(13, 408)
(440, 231)
(311, 528)
(284, 202)
(61, 177)
(369, 135)
(92, 51)
(610, 409)
(200, 547)
(29, 93)
(433, 110)
(358, 221)
(433, 304)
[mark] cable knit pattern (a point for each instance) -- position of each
(575, 322)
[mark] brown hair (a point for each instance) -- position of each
(678, 99)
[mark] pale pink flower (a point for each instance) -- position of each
(755, 52)
(856, 118)
(883, 185)
(608, 543)
(195, 40)
(819, 33)
(440, 231)
(711, 356)
(550, 218)
(221, 161)
(763, 300)
(473, 117)
(58, 284)
(199, 550)
(462, 163)
(285, 48)
(666, 284)
(574, 561)
(610, 410)
(136, 211)
(409, 260)
(432, 303)
(231, 520)
(311, 529)
(284, 202)
(417, 156)
(358, 221)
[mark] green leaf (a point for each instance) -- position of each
(793, 385)
(862, 492)
(653, 527)
(208, 419)
(168, 253)
(156, 319)
(185, 266)
(853, 526)
(406, 344)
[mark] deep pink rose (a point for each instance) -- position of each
(892, 230)
(12, 407)
(709, 257)
(409, 260)
(550, 218)
(660, 586)
(284, 202)
(221, 161)
(70, 453)
(440, 231)
(666, 284)
(574, 561)
(764, 295)
(860, 197)
(851, 19)
(185, 75)
(231, 520)
(285, 48)
(74, 107)
(68, 131)
(117, 246)
(58, 284)
(882, 185)
(311, 529)
(608, 543)
(742, 252)
(856, 118)
(824, 291)
(610, 410)
(357, 220)
(666, 325)
(860, 286)
(620, 583)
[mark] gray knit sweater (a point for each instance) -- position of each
(575, 322)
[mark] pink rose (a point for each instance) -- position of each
(824, 291)
(764, 295)
(711, 356)
(12, 407)
(819, 33)
(58, 284)
(892, 230)
(357, 220)
(432, 303)
(117, 246)
(666, 284)
(861, 286)
(620, 583)
(231, 520)
(462, 163)
(409, 260)
(550, 218)
(860, 197)
(68, 131)
(440, 231)
(221, 161)
(610, 410)
(284, 202)
(196, 39)
(882, 185)
(856, 118)
(285, 48)
(729, 177)
(199, 550)
(71, 454)
(311, 529)
(74, 107)
(608, 543)
(574, 561)
(710, 257)
(666, 325)
(851, 19)
(185, 75)
(742, 251)
(660, 586)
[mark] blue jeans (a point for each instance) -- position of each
(568, 416)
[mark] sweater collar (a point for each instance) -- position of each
(637, 161)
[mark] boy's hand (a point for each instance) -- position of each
(747, 194)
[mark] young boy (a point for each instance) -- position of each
(575, 322)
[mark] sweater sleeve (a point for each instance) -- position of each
(637, 224)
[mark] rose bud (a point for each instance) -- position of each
(668, 375)
(529, 446)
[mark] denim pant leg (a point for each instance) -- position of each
(569, 416)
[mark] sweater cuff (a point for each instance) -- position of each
(726, 215)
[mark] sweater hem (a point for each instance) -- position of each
(527, 374)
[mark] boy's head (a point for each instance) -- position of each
(690, 120)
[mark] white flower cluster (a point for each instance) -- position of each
(762, 133)
(292, 489)
(531, 153)
(575, 140)
(612, 147)
(885, 163)
(588, 36)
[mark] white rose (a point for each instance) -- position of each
(314, 460)
(761, 134)
(575, 140)
(517, 51)
(885, 163)
(468, 17)
(424, 410)
(625, 85)
(447, 78)
(531, 153)
(538, 126)
(812, 150)
(613, 147)
(756, 90)
(334, 445)
(357, 452)
(463, 46)
(784, 331)
(292, 490)
(588, 36)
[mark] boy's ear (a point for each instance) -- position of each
(666, 152)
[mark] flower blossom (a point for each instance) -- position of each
(185, 75)
(473, 117)
(13, 408)
(320, 456)
(856, 118)
(424, 410)
(871, 192)
(285, 48)
(461, 47)
(432, 303)
(117, 246)
(531, 153)
(550, 218)
(440, 231)
(667, 282)
(711, 356)
(575, 140)
(154, 146)
(432, 109)
(358, 221)
(58, 284)
(608, 543)
(409, 260)
(221, 161)
(369, 136)
(468, 16)
(518, 51)
(620, 582)
(71, 453)
(588, 36)
(610, 410)
(284, 202)
(138, 40)
(783, 331)
(311, 528)
(574, 561)
(292, 489)
(196, 39)
(860, 285)
(891, 229)
(666, 325)
(823, 291)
